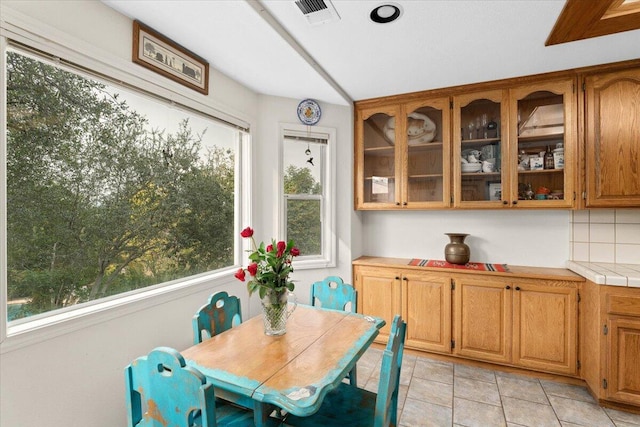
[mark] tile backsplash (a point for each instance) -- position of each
(606, 235)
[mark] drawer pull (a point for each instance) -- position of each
(517, 288)
(508, 287)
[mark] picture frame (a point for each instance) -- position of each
(158, 53)
(494, 189)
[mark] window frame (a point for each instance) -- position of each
(14, 29)
(328, 256)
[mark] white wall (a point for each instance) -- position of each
(73, 375)
(517, 237)
(273, 112)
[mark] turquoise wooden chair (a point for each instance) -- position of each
(162, 391)
(349, 406)
(333, 293)
(222, 312)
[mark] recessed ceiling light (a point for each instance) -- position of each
(386, 13)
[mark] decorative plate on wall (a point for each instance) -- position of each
(309, 112)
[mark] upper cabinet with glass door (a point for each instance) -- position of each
(376, 158)
(543, 144)
(402, 156)
(427, 153)
(479, 155)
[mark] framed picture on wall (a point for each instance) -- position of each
(156, 52)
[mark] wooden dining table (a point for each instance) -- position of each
(293, 371)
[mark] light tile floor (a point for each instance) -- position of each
(437, 393)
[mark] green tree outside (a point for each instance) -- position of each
(99, 203)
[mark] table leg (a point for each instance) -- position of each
(261, 412)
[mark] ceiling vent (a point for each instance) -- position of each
(318, 11)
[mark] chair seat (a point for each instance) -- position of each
(346, 406)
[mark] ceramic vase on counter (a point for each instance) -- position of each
(456, 251)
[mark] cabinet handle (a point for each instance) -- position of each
(397, 278)
(517, 288)
(508, 287)
(404, 204)
(515, 202)
(397, 203)
(405, 279)
(504, 202)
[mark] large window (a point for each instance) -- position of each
(307, 189)
(108, 190)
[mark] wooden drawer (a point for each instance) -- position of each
(623, 305)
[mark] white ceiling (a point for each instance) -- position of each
(270, 47)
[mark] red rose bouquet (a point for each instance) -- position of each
(269, 266)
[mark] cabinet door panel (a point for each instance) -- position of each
(427, 302)
(624, 369)
(377, 158)
(544, 125)
(612, 115)
(378, 295)
(545, 320)
(483, 319)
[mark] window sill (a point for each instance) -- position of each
(311, 263)
(28, 332)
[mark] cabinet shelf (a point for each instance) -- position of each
(389, 177)
(425, 147)
(542, 138)
(426, 176)
(540, 171)
(483, 141)
(481, 174)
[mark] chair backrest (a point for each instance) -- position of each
(386, 413)
(162, 391)
(333, 293)
(222, 312)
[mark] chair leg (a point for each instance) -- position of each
(353, 379)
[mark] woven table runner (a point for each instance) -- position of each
(468, 266)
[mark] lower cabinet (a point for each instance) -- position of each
(426, 307)
(610, 342)
(483, 320)
(379, 295)
(524, 322)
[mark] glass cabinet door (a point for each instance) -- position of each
(427, 153)
(478, 154)
(544, 153)
(377, 183)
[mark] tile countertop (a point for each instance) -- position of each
(603, 273)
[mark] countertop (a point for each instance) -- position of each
(603, 273)
(514, 270)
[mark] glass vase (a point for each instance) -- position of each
(276, 309)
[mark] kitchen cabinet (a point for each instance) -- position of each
(426, 303)
(543, 121)
(469, 149)
(480, 158)
(402, 154)
(610, 341)
(525, 318)
(385, 292)
(483, 318)
(612, 138)
(379, 294)
(524, 322)
(545, 321)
